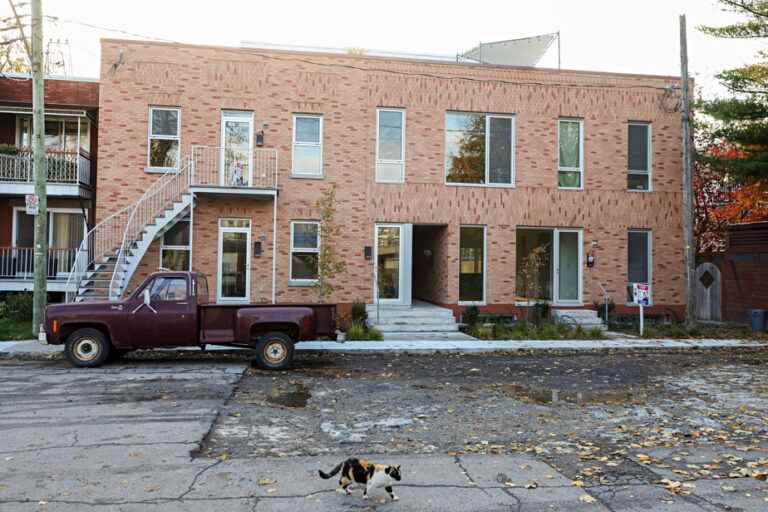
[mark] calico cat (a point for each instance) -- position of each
(365, 472)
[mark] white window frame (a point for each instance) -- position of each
(187, 248)
(649, 234)
(303, 174)
(50, 226)
(303, 282)
(150, 136)
(513, 144)
(580, 168)
(236, 116)
(379, 160)
(485, 267)
(649, 172)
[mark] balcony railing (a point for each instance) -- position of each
(224, 167)
(19, 263)
(64, 167)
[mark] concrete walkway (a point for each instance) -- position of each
(32, 347)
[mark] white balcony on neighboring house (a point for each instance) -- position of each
(224, 171)
(69, 173)
(17, 267)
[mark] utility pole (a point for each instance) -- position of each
(690, 257)
(38, 156)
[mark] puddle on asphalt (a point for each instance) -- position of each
(296, 396)
(554, 396)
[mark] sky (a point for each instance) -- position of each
(601, 35)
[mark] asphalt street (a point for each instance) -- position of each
(661, 432)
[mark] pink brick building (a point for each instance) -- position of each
(447, 175)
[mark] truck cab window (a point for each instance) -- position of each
(168, 288)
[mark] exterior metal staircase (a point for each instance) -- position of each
(112, 250)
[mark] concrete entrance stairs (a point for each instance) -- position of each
(419, 321)
(586, 318)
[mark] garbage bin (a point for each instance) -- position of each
(757, 319)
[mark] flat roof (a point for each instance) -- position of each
(28, 76)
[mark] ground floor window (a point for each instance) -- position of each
(638, 259)
(175, 252)
(472, 264)
(66, 229)
(305, 251)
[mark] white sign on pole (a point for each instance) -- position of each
(33, 204)
(641, 295)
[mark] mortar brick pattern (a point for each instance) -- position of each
(346, 90)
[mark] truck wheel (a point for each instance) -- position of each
(274, 351)
(87, 348)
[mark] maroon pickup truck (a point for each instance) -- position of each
(171, 309)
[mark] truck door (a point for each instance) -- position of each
(170, 317)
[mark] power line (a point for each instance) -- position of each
(108, 29)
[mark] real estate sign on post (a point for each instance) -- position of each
(641, 295)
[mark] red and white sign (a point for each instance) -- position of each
(641, 294)
(33, 204)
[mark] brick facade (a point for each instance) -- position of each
(202, 81)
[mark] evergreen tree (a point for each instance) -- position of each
(741, 121)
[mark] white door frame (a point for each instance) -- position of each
(247, 231)
(556, 266)
(234, 115)
(406, 259)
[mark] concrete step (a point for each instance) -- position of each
(410, 321)
(447, 327)
(411, 316)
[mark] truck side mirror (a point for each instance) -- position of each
(147, 300)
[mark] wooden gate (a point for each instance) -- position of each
(708, 287)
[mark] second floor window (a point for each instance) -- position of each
(390, 145)
(570, 142)
(164, 138)
(639, 156)
(479, 148)
(307, 145)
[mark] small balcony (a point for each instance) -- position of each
(17, 268)
(69, 173)
(225, 171)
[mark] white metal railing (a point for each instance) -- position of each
(214, 166)
(161, 195)
(63, 167)
(19, 262)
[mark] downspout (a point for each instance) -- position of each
(274, 246)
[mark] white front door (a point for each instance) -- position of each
(233, 283)
(236, 164)
(568, 262)
(392, 264)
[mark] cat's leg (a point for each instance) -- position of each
(368, 486)
(391, 493)
(345, 484)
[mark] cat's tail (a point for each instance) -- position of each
(333, 471)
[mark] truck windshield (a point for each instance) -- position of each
(202, 289)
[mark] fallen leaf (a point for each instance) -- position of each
(586, 498)
(578, 483)
(531, 485)
(267, 481)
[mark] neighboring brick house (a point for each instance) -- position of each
(447, 175)
(71, 115)
(744, 271)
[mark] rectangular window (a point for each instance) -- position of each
(639, 156)
(570, 167)
(164, 138)
(307, 145)
(63, 134)
(479, 148)
(305, 251)
(638, 259)
(390, 145)
(472, 264)
(175, 251)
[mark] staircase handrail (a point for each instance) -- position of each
(167, 189)
(95, 247)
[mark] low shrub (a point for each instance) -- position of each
(18, 306)
(360, 332)
(8, 149)
(359, 313)
(470, 316)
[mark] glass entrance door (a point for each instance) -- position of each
(388, 273)
(234, 279)
(568, 266)
(237, 149)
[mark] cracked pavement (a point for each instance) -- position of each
(602, 432)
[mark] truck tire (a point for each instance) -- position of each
(274, 351)
(87, 348)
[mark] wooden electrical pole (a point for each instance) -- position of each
(688, 243)
(38, 157)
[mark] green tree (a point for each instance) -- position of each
(741, 120)
(330, 263)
